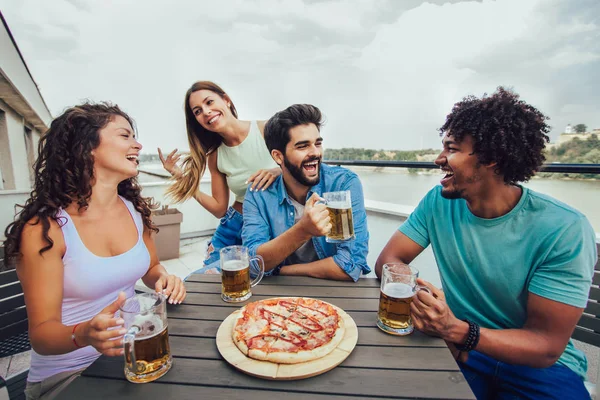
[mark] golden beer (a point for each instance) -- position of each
(152, 357)
(342, 227)
(235, 275)
(394, 308)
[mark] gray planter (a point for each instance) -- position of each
(168, 221)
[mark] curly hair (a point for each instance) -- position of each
(505, 130)
(64, 173)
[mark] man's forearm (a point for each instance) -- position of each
(275, 251)
(513, 346)
(324, 269)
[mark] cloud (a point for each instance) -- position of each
(385, 73)
(541, 49)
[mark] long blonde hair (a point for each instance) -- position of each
(202, 142)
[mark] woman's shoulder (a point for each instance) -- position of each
(36, 224)
(32, 234)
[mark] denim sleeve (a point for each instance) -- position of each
(351, 256)
(256, 226)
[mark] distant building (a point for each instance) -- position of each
(24, 116)
(569, 129)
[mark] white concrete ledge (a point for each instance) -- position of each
(382, 207)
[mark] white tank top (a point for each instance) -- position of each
(90, 284)
(239, 162)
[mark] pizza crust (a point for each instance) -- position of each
(254, 338)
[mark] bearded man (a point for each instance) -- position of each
(286, 224)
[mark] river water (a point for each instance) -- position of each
(396, 185)
(400, 187)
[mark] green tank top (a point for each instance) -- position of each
(239, 162)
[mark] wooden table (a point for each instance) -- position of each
(381, 365)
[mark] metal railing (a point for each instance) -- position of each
(554, 168)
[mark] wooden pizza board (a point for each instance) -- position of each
(274, 371)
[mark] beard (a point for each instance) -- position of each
(298, 172)
(451, 194)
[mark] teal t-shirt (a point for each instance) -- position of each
(488, 266)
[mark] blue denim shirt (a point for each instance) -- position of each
(269, 213)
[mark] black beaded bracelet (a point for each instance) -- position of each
(472, 337)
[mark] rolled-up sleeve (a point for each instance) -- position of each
(351, 256)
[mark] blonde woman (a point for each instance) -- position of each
(237, 159)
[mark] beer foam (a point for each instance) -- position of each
(340, 205)
(398, 290)
(234, 265)
(149, 325)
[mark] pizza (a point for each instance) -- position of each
(288, 330)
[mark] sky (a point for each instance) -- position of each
(385, 73)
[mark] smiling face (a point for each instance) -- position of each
(118, 151)
(210, 110)
(464, 175)
(303, 154)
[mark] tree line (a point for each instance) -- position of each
(576, 151)
(580, 128)
(352, 153)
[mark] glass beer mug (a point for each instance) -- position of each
(235, 273)
(339, 206)
(146, 343)
(398, 286)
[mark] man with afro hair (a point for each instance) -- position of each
(515, 265)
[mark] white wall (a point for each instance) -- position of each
(8, 199)
(16, 142)
(14, 151)
(14, 70)
(6, 174)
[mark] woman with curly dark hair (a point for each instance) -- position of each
(80, 243)
(515, 265)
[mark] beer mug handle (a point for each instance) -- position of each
(129, 342)
(261, 273)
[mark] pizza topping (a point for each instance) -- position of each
(276, 327)
(314, 312)
(307, 323)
